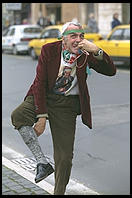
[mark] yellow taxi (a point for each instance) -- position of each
(91, 36)
(51, 34)
(117, 45)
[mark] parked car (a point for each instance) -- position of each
(16, 38)
(117, 45)
(51, 34)
(91, 36)
(48, 35)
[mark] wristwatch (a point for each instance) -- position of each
(99, 52)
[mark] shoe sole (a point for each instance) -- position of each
(38, 180)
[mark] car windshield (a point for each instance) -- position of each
(87, 30)
(51, 33)
(126, 35)
(32, 30)
(120, 34)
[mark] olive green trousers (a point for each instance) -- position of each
(62, 112)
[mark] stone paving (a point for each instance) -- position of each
(14, 184)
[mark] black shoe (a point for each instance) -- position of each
(43, 171)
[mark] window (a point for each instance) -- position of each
(116, 35)
(45, 34)
(126, 34)
(12, 32)
(32, 30)
(52, 33)
(5, 32)
(87, 30)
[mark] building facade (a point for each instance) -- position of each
(62, 12)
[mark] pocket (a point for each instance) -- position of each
(30, 99)
(52, 99)
(76, 105)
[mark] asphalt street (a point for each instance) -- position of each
(102, 155)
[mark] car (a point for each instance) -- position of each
(48, 35)
(51, 34)
(91, 36)
(15, 39)
(117, 45)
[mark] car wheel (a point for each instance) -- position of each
(33, 54)
(15, 52)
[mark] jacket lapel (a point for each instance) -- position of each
(54, 63)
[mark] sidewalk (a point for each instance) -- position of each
(14, 184)
(18, 179)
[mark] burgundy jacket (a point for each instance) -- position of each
(47, 71)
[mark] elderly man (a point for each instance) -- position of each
(59, 93)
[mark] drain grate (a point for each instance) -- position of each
(28, 163)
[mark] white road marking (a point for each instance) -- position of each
(73, 188)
